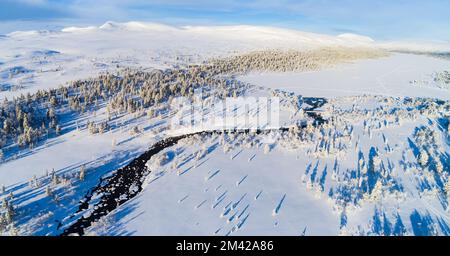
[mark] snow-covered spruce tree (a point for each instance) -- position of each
(103, 127)
(55, 178)
(266, 149)
(423, 158)
(226, 147)
(48, 191)
(5, 203)
(34, 182)
(82, 173)
(376, 160)
(135, 130)
(174, 164)
(448, 127)
(447, 193)
(439, 166)
(58, 129)
(377, 191)
(8, 210)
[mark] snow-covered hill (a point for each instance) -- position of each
(32, 60)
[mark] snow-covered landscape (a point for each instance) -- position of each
(124, 129)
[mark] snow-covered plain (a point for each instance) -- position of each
(240, 189)
(287, 190)
(391, 76)
(331, 185)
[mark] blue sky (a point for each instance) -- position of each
(380, 19)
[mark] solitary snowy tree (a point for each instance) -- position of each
(34, 182)
(5, 203)
(439, 167)
(55, 179)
